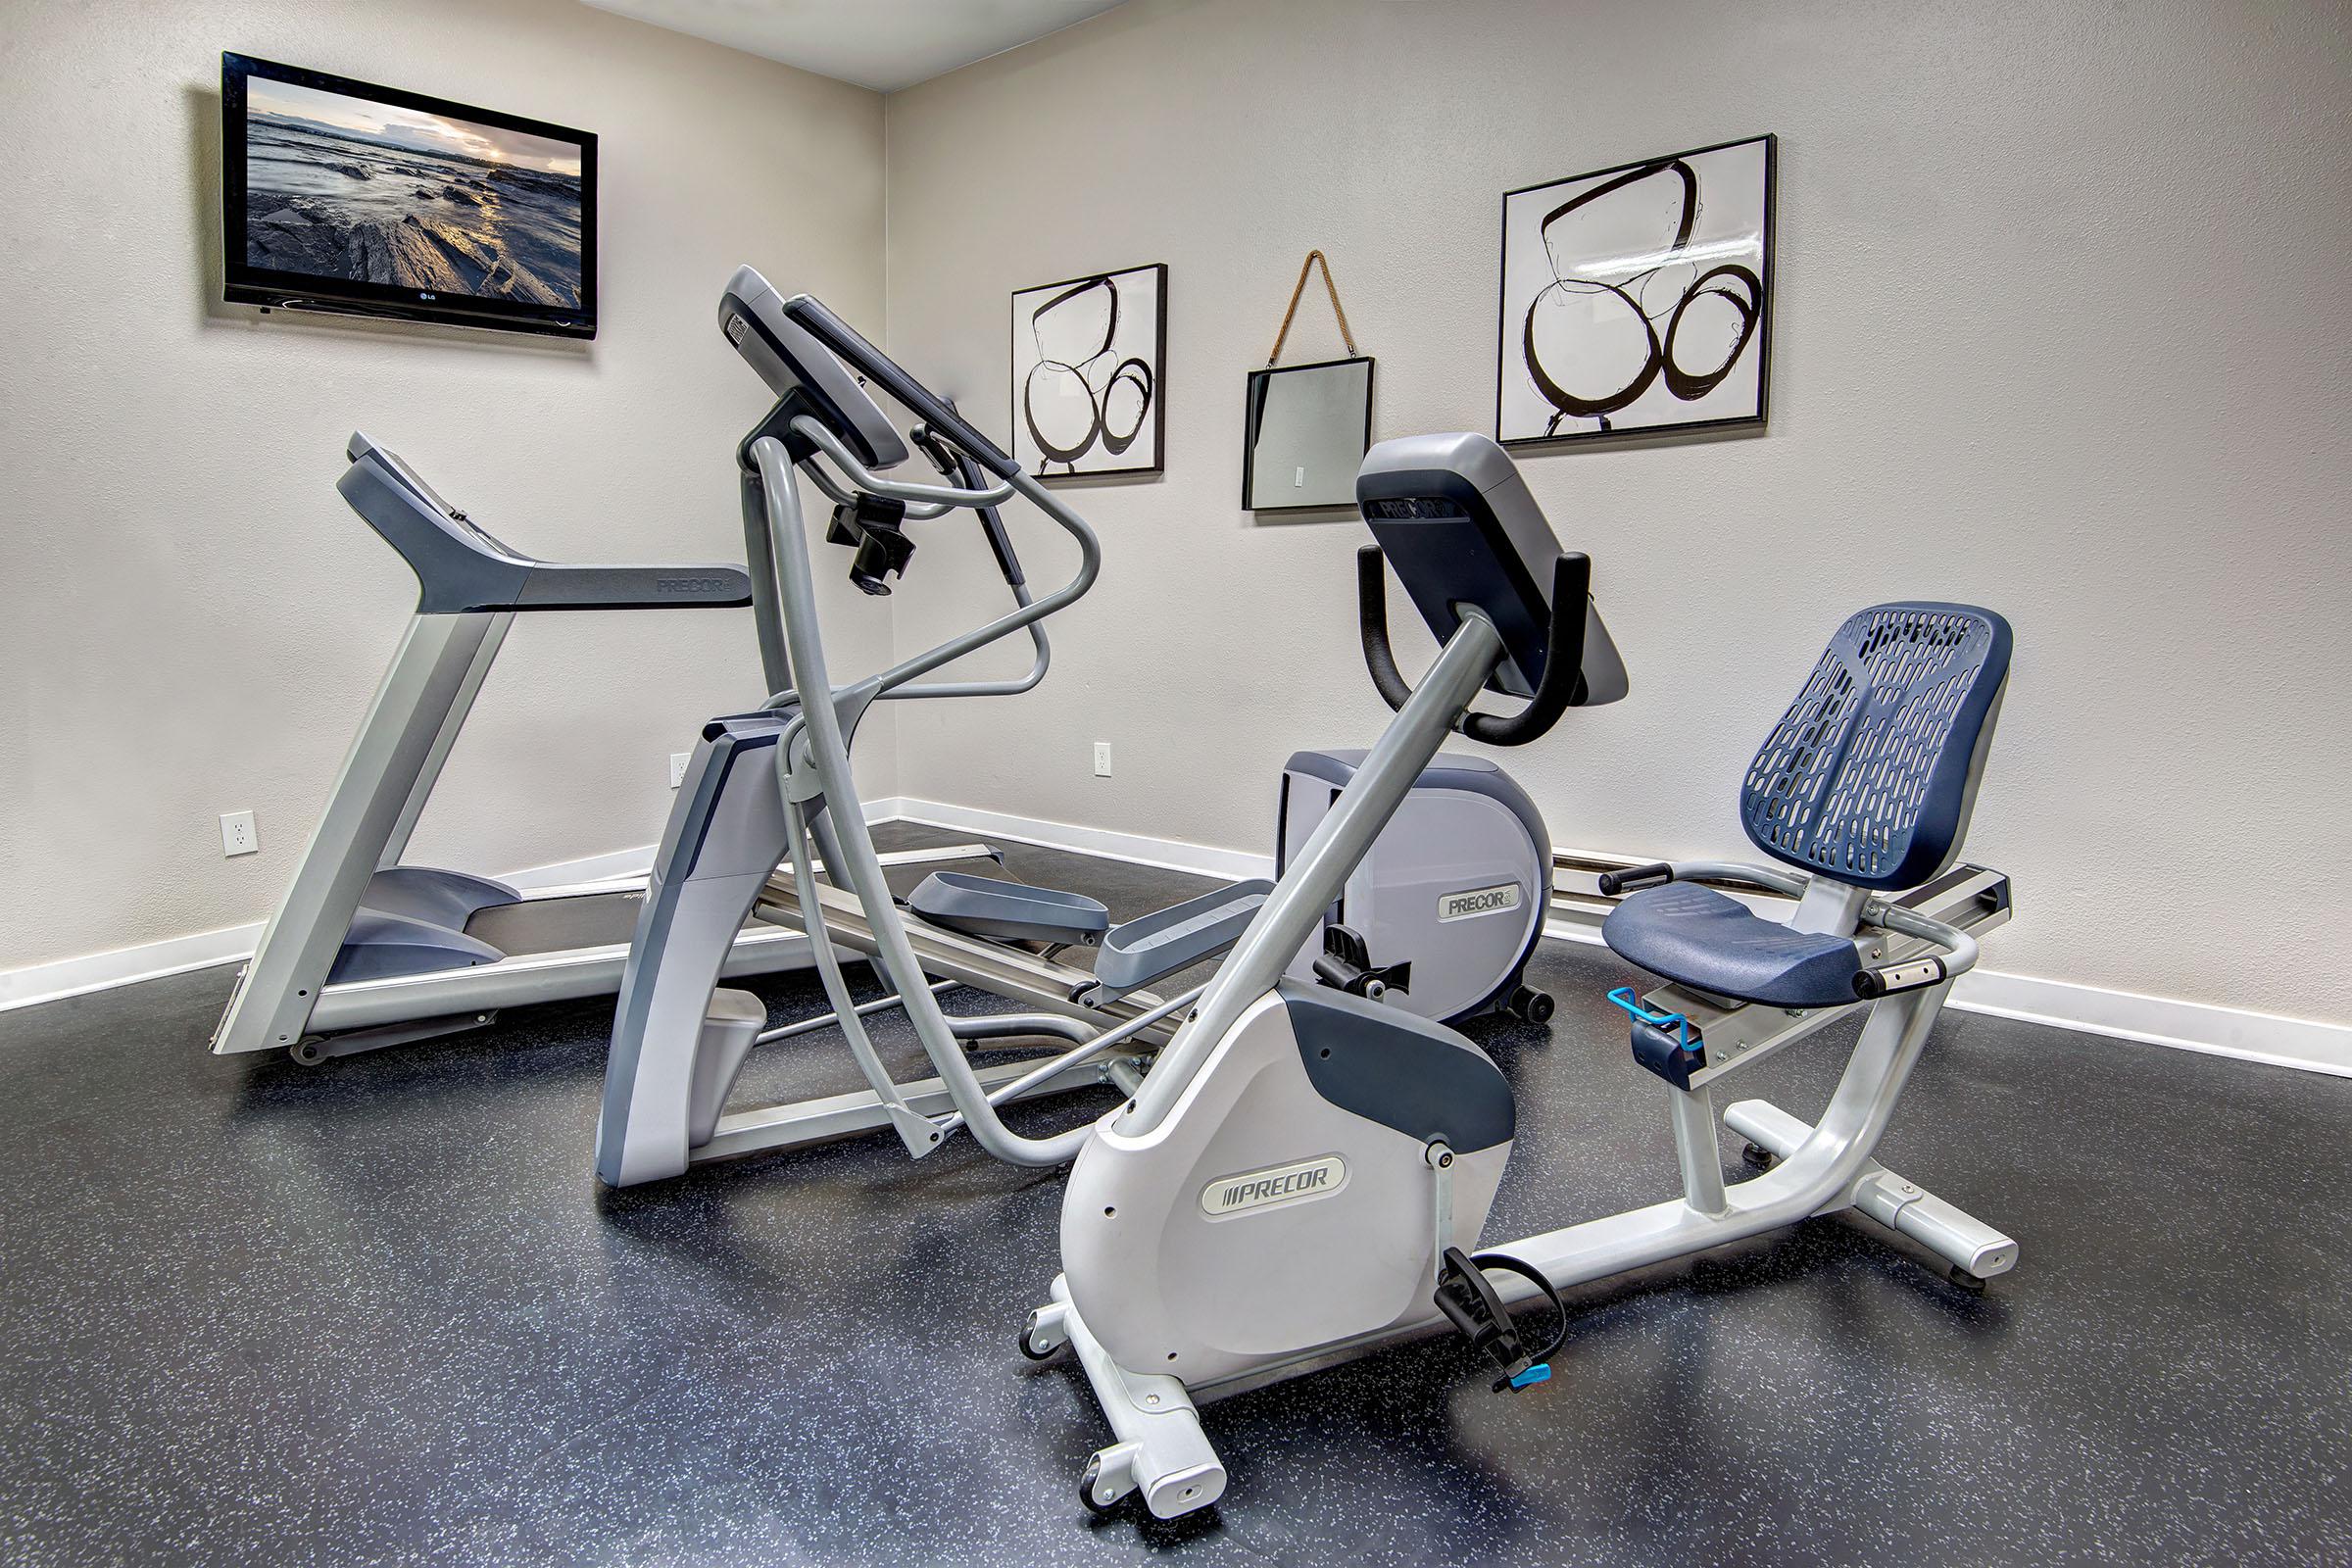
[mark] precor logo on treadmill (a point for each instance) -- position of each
(1476, 902)
(1283, 1184)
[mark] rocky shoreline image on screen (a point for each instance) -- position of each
(343, 187)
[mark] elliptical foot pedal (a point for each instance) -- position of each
(731, 1026)
(1009, 911)
(1475, 1308)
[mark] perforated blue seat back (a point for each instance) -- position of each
(1870, 775)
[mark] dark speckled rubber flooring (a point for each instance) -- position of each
(379, 1312)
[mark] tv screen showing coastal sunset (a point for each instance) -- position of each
(343, 187)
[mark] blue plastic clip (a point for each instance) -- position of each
(1541, 1372)
(1625, 998)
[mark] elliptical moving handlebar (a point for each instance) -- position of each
(959, 468)
(945, 497)
(817, 355)
(839, 336)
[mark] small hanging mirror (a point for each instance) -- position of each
(1307, 427)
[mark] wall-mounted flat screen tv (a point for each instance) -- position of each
(338, 195)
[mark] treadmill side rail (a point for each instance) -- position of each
(392, 765)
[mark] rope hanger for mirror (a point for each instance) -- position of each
(1299, 288)
(1328, 425)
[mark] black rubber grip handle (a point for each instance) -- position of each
(1563, 679)
(1372, 625)
(1914, 974)
(842, 339)
(991, 528)
(964, 474)
(1655, 875)
(942, 456)
(1334, 971)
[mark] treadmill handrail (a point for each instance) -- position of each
(461, 569)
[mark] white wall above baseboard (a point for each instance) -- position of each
(2261, 1037)
(101, 972)
(2116, 1014)
(1216, 640)
(98, 971)
(279, 633)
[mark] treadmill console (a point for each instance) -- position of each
(801, 373)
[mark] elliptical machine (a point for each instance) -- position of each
(1303, 1177)
(775, 785)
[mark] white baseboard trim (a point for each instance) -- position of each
(1168, 854)
(153, 961)
(60, 978)
(2246, 1036)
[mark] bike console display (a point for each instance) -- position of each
(1457, 522)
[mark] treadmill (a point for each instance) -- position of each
(364, 952)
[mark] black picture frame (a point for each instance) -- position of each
(1254, 402)
(1158, 405)
(1762, 334)
(246, 284)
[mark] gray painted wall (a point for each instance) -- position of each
(2064, 306)
(195, 619)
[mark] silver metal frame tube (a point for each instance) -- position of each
(888, 682)
(828, 969)
(1791, 884)
(943, 496)
(1108, 1040)
(396, 752)
(1320, 872)
(824, 748)
(1960, 947)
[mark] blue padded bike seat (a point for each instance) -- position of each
(1697, 937)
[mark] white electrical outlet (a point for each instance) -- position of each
(238, 835)
(677, 767)
(1102, 758)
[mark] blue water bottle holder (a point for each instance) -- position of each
(1672, 1056)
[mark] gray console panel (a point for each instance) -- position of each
(461, 569)
(1161, 943)
(1008, 911)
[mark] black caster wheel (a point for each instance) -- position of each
(307, 1052)
(1531, 1005)
(1972, 1284)
(1086, 1492)
(1032, 1351)
(1758, 1155)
